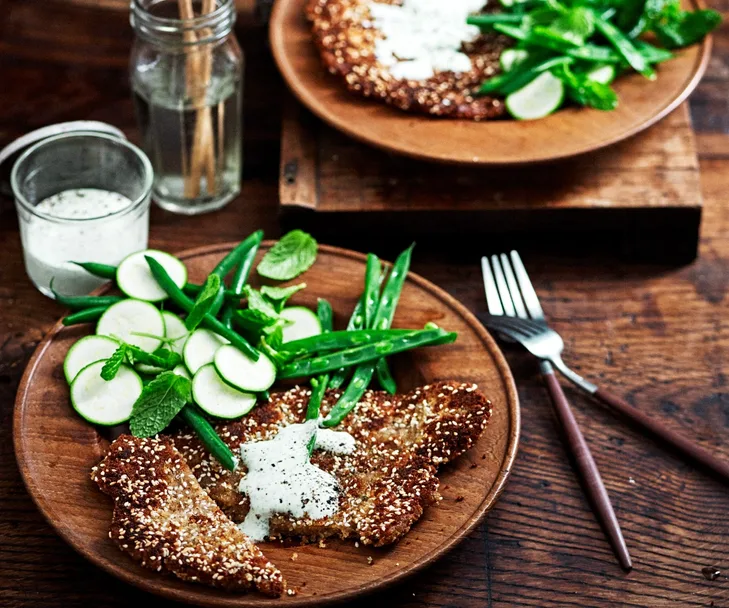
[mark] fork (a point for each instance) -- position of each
(547, 344)
(509, 293)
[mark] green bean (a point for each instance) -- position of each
(319, 384)
(241, 276)
(337, 340)
(350, 398)
(518, 78)
(363, 354)
(209, 321)
(84, 302)
(624, 46)
(88, 315)
(212, 441)
(105, 271)
(234, 255)
(491, 18)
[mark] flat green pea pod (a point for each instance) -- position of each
(364, 354)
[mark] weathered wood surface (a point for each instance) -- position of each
(642, 193)
(658, 334)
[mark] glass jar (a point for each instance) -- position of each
(81, 197)
(186, 75)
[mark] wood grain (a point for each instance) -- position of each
(656, 334)
(643, 192)
(566, 133)
(50, 438)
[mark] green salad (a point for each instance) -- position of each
(166, 349)
(575, 49)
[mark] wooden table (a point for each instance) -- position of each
(657, 334)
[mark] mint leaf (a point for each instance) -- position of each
(294, 253)
(279, 295)
(204, 302)
(113, 364)
(259, 303)
(160, 401)
(253, 321)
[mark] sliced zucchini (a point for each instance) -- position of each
(105, 402)
(217, 398)
(127, 319)
(512, 57)
(200, 348)
(538, 99)
(181, 370)
(243, 373)
(603, 74)
(88, 349)
(303, 323)
(135, 279)
(175, 330)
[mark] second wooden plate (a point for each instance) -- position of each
(56, 449)
(566, 133)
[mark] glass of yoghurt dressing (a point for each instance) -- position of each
(83, 197)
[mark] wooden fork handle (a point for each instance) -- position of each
(661, 431)
(587, 469)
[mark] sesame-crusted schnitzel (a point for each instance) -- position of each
(389, 479)
(164, 520)
(361, 42)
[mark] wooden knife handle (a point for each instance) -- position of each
(587, 469)
(685, 445)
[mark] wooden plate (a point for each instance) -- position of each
(566, 133)
(56, 449)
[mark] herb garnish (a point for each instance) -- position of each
(204, 301)
(160, 401)
(293, 254)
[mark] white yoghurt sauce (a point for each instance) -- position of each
(49, 246)
(423, 37)
(281, 478)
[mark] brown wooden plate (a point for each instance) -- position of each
(56, 449)
(566, 133)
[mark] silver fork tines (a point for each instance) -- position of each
(517, 314)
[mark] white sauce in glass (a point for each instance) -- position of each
(49, 246)
(281, 478)
(423, 37)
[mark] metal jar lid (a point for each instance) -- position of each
(10, 153)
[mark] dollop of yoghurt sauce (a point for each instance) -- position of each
(422, 37)
(282, 479)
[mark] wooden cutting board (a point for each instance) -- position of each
(641, 197)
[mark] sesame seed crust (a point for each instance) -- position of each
(385, 484)
(345, 36)
(166, 521)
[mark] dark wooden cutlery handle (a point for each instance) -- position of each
(661, 431)
(593, 484)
